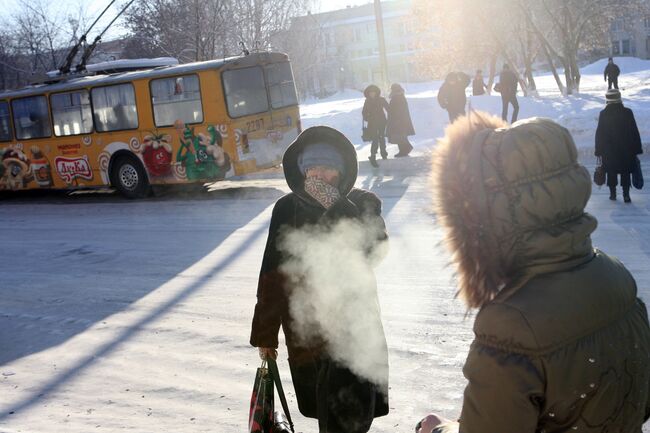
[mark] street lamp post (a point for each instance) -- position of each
(383, 63)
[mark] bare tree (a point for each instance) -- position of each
(565, 27)
(193, 30)
(471, 32)
(35, 40)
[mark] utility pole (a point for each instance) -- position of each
(383, 63)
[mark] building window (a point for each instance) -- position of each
(114, 108)
(646, 23)
(176, 98)
(357, 35)
(626, 46)
(71, 113)
(616, 48)
(617, 25)
(5, 124)
(31, 117)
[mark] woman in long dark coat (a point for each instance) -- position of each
(618, 142)
(399, 125)
(317, 283)
(374, 114)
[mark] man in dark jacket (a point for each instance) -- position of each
(618, 142)
(374, 117)
(612, 71)
(508, 87)
(562, 341)
(317, 282)
(451, 95)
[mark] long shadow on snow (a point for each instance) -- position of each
(388, 188)
(67, 267)
(72, 304)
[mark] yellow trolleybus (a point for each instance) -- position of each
(197, 122)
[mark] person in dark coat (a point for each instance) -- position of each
(612, 71)
(561, 338)
(374, 116)
(618, 142)
(317, 283)
(478, 84)
(508, 87)
(451, 95)
(399, 125)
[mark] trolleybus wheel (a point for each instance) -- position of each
(129, 178)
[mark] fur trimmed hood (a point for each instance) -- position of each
(512, 202)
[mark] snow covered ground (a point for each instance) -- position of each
(120, 315)
(578, 113)
(134, 316)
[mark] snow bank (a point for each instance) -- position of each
(577, 113)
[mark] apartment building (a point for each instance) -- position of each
(340, 49)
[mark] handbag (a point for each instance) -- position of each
(282, 422)
(260, 419)
(637, 174)
(365, 132)
(599, 173)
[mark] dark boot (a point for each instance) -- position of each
(612, 193)
(626, 195)
(373, 161)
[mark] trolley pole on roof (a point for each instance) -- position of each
(383, 62)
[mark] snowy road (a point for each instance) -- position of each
(134, 316)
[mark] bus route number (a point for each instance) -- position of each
(255, 125)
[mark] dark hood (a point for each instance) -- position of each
(372, 88)
(320, 134)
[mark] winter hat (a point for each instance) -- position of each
(320, 154)
(613, 96)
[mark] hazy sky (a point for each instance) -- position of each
(93, 8)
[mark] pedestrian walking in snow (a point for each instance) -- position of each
(478, 84)
(451, 95)
(374, 117)
(561, 342)
(317, 282)
(399, 125)
(612, 71)
(618, 143)
(508, 88)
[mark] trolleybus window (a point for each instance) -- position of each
(71, 113)
(245, 91)
(5, 125)
(114, 108)
(176, 98)
(31, 117)
(281, 88)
